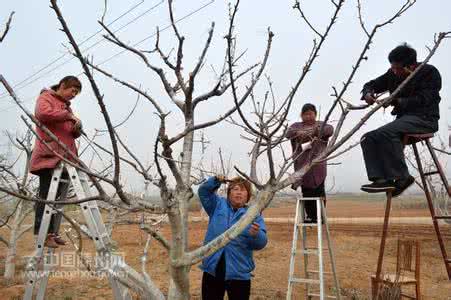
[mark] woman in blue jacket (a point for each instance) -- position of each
(229, 269)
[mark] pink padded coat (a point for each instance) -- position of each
(54, 113)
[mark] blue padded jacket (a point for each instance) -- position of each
(239, 262)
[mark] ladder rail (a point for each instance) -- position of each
(305, 250)
(293, 251)
(32, 275)
(300, 229)
(48, 211)
(439, 167)
(320, 247)
(44, 280)
(380, 258)
(97, 229)
(431, 205)
(331, 254)
(89, 210)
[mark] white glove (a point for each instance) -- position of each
(306, 146)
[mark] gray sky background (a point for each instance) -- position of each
(35, 41)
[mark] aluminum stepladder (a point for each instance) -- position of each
(300, 228)
(97, 229)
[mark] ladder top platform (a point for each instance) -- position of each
(412, 138)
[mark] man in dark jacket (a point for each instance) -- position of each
(416, 108)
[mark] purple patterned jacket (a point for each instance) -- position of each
(299, 133)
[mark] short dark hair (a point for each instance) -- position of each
(404, 55)
(68, 82)
(308, 107)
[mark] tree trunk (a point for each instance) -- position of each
(10, 262)
(179, 283)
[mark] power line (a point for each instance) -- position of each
(86, 49)
(63, 55)
(118, 53)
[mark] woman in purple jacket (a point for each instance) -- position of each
(307, 144)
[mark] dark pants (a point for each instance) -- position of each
(310, 206)
(383, 150)
(214, 289)
(45, 178)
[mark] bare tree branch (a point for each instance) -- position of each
(442, 151)
(99, 97)
(362, 23)
(130, 86)
(297, 6)
(7, 26)
(156, 235)
(178, 66)
(362, 57)
(193, 74)
(168, 88)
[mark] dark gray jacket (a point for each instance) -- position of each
(419, 97)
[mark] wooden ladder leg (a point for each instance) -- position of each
(376, 283)
(431, 207)
(439, 167)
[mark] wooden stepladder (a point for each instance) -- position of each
(312, 278)
(412, 140)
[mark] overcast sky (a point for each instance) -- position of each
(35, 42)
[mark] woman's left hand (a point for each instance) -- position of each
(253, 231)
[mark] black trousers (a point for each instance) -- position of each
(383, 150)
(214, 288)
(310, 206)
(45, 178)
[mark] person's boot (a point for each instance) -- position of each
(50, 241)
(57, 238)
(378, 186)
(402, 184)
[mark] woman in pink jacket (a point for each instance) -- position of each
(54, 112)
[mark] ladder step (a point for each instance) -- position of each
(91, 206)
(448, 261)
(325, 296)
(431, 173)
(309, 251)
(307, 224)
(305, 280)
(82, 176)
(442, 217)
(316, 272)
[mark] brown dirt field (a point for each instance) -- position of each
(356, 248)
(352, 209)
